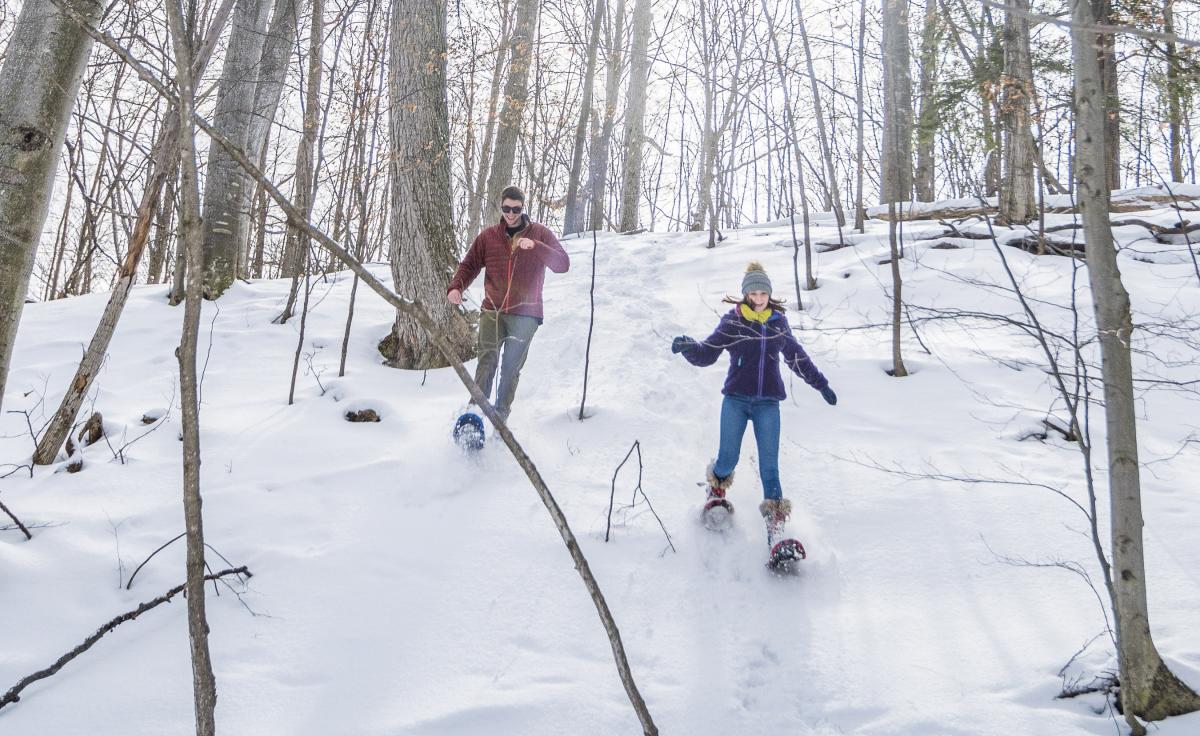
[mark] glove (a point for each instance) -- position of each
(682, 344)
(829, 396)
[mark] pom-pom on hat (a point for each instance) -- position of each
(755, 279)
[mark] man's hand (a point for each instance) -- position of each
(455, 297)
(525, 244)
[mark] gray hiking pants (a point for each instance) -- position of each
(503, 341)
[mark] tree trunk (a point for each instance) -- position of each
(860, 211)
(635, 116)
(1148, 689)
(927, 118)
(831, 184)
(571, 219)
(422, 223)
(475, 205)
(512, 115)
(599, 164)
(40, 78)
(1016, 191)
(191, 238)
(296, 250)
(226, 194)
(1107, 52)
(898, 369)
(162, 233)
(896, 183)
(1175, 92)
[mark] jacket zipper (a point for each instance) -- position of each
(762, 358)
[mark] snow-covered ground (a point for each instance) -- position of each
(400, 588)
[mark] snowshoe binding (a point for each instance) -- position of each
(469, 433)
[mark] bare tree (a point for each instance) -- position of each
(896, 180)
(598, 186)
(1148, 689)
(422, 223)
(39, 80)
(1176, 90)
(929, 114)
(295, 253)
(1016, 104)
(571, 218)
(834, 197)
(516, 97)
(635, 116)
(226, 192)
(475, 206)
(204, 683)
(164, 161)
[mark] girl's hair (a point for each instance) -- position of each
(777, 305)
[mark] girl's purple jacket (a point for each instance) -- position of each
(754, 353)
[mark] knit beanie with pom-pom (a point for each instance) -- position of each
(755, 279)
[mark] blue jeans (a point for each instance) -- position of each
(764, 413)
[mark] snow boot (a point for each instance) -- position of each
(718, 512)
(784, 551)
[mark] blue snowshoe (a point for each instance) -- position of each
(468, 432)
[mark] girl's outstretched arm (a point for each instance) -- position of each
(707, 351)
(798, 360)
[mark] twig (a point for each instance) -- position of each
(13, 516)
(587, 353)
(637, 447)
(160, 549)
(14, 693)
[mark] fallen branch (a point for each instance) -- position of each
(13, 516)
(14, 693)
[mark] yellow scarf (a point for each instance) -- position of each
(753, 316)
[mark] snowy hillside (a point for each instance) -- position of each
(400, 588)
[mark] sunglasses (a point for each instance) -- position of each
(515, 210)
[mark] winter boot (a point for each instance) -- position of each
(718, 512)
(784, 551)
(717, 486)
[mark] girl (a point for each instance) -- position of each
(756, 334)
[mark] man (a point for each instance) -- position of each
(514, 255)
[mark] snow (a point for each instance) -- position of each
(402, 588)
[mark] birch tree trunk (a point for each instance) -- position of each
(1148, 689)
(512, 114)
(927, 117)
(204, 683)
(1175, 92)
(635, 116)
(44, 64)
(226, 191)
(1016, 102)
(896, 183)
(571, 219)
(422, 221)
